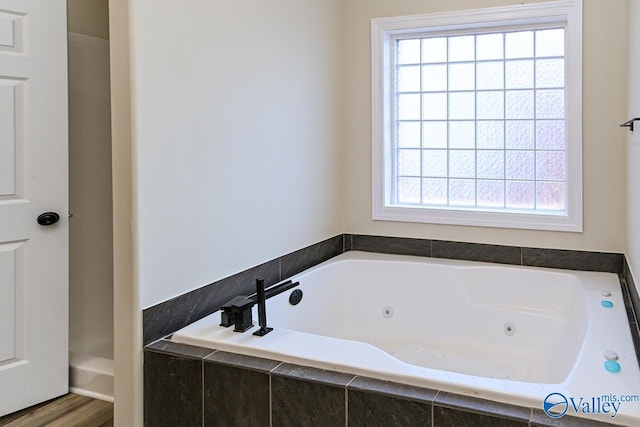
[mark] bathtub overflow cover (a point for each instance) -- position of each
(387, 312)
(509, 329)
(295, 297)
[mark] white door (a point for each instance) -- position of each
(33, 180)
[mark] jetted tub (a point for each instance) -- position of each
(505, 333)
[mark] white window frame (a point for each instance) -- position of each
(383, 31)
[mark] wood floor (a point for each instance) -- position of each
(71, 410)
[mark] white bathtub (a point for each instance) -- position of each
(505, 333)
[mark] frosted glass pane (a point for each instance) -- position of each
(461, 77)
(409, 190)
(520, 165)
(461, 48)
(490, 75)
(409, 107)
(549, 73)
(550, 165)
(519, 104)
(489, 46)
(550, 134)
(550, 42)
(550, 195)
(519, 74)
(520, 135)
(462, 135)
(434, 106)
(408, 79)
(462, 106)
(490, 164)
(520, 194)
(408, 135)
(462, 192)
(491, 194)
(434, 78)
(409, 162)
(490, 135)
(550, 104)
(490, 105)
(519, 45)
(462, 164)
(435, 163)
(434, 191)
(434, 50)
(408, 51)
(434, 134)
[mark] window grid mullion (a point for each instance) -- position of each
(475, 117)
(396, 170)
(448, 129)
(504, 120)
(535, 119)
(422, 172)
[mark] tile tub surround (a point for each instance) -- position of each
(513, 255)
(632, 303)
(169, 316)
(193, 386)
(162, 319)
(173, 385)
(185, 383)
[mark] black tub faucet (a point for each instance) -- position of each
(237, 311)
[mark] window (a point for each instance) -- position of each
(477, 117)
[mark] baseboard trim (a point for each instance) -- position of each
(91, 376)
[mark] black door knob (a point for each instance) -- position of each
(48, 218)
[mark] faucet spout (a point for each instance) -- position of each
(262, 309)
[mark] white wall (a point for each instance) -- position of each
(633, 141)
(237, 135)
(90, 229)
(604, 106)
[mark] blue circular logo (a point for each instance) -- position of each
(557, 403)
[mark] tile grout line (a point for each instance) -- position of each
(275, 367)
(433, 409)
(271, 398)
(352, 380)
(202, 388)
(346, 406)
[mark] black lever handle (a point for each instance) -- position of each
(48, 218)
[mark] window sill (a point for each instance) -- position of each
(519, 219)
